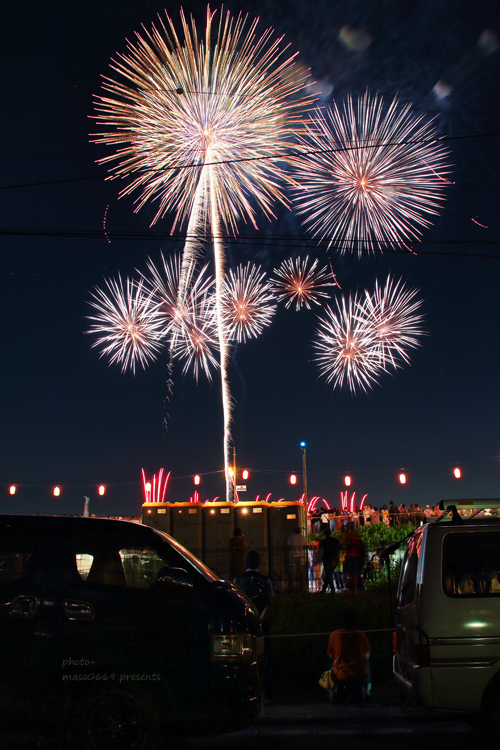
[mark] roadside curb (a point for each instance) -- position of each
(338, 715)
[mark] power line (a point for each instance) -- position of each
(276, 156)
(287, 241)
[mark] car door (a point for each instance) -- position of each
(117, 621)
(28, 654)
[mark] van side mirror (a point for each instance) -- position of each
(175, 580)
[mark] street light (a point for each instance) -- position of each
(347, 481)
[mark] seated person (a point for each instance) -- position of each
(349, 650)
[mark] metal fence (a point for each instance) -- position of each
(292, 570)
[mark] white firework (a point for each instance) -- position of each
(368, 336)
(369, 179)
(392, 311)
(302, 284)
(127, 323)
(346, 347)
(248, 303)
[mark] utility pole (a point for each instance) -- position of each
(304, 481)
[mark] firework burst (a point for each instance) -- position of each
(189, 320)
(201, 127)
(369, 177)
(304, 284)
(127, 322)
(248, 303)
(366, 336)
(346, 347)
(195, 342)
(392, 311)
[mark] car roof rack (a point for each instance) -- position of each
(476, 504)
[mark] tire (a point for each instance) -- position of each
(116, 719)
(491, 715)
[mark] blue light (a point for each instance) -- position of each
(302, 445)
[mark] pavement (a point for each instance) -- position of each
(301, 707)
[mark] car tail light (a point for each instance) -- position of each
(422, 651)
(234, 646)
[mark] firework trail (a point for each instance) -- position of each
(127, 322)
(363, 337)
(392, 311)
(370, 180)
(202, 128)
(248, 303)
(296, 281)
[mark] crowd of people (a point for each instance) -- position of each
(391, 516)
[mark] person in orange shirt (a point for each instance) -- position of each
(349, 651)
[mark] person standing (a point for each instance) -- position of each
(237, 551)
(330, 552)
(259, 589)
(354, 560)
(393, 514)
(315, 564)
(297, 547)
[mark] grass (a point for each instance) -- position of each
(307, 620)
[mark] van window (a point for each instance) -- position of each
(471, 564)
(408, 577)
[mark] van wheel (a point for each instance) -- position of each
(491, 715)
(117, 720)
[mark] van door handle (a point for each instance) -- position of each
(78, 610)
(23, 608)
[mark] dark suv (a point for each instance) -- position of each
(121, 635)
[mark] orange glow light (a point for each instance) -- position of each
(147, 486)
(347, 481)
(293, 479)
(102, 490)
(402, 478)
(197, 479)
(56, 491)
(457, 473)
(12, 489)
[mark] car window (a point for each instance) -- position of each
(83, 565)
(12, 565)
(471, 564)
(127, 567)
(408, 576)
(200, 566)
(141, 567)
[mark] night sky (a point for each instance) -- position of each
(69, 419)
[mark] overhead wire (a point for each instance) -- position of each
(268, 157)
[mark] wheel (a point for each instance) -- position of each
(491, 714)
(117, 720)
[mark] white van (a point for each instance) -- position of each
(448, 614)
